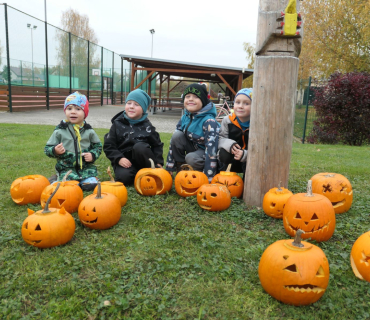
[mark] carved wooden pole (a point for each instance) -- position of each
(278, 45)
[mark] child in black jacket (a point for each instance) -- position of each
(132, 139)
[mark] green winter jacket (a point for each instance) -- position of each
(70, 160)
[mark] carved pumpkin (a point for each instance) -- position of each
(231, 180)
(311, 212)
(188, 181)
(115, 187)
(100, 211)
(294, 272)
(28, 189)
(159, 181)
(68, 196)
(214, 197)
(360, 257)
(49, 227)
(336, 188)
(274, 201)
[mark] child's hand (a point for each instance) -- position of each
(159, 166)
(59, 149)
(88, 157)
(124, 162)
(237, 152)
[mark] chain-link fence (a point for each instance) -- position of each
(34, 54)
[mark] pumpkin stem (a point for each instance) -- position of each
(279, 186)
(298, 239)
(67, 174)
(228, 169)
(309, 189)
(46, 208)
(98, 193)
(329, 175)
(152, 164)
(186, 167)
(110, 175)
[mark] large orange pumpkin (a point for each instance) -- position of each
(68, 196)
(152, 181)
(311, 212)
(188, 181)
(336, 188)
(100, 211)
(115, 187)
(214, 197)
(274, 201)
(49, 227)
(360, 257)
(294, 272)
(231, 180)
(28, 189)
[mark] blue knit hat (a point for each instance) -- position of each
(79, 100)
(141, 97)
(247, 92)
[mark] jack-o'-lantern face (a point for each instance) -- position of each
(274, 202)
(187, 182)
(231, 180)
(45, 230)
(336, 188)
(360, 257)
(99, 211)
(297, 276)
(213, 197)
(313, 214)
(28, 189)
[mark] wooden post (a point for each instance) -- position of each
(274, 96)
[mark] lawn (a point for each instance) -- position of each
(167, 258)
(300, 114)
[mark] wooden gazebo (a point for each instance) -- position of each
(166, 70)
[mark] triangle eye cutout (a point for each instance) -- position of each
(315, 217)
(94, 210)
(291, 268)
(298, 216)
(26, 225)
(285, 257)
(320, 272)
(38, 227)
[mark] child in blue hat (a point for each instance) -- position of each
(132, 139)
(234, 134)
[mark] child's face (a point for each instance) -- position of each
(75, 114)
(192, 103)
(133, 110)
(242, 107)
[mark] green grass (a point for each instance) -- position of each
(167, 258)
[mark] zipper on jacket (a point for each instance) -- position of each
(76, 151)
(186, 129)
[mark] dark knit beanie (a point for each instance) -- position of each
(199, 90)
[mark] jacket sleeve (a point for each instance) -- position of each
(51, 143)
(211, 130)
(157, 146)
(225, 142)
(110, 146)
(95, 146)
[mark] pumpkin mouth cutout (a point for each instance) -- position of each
(305, 288)
(339, 203)
(205, 207)
(91, 221)
(32, 242)
(18, 200)
(158, 182)
(188, 190)
(313, 229)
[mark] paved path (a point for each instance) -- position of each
(99, 117)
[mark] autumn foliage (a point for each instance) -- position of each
(343, 110)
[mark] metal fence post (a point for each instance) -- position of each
(112, 83)
(88, 69)
(70, 63)
(121, 81)
(102, 84)
(47, 67)
(8, 58)
(305, 117)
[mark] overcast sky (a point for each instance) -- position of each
(207, 32)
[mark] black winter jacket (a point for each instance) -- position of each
(122, 136)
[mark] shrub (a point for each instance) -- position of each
(343, 110)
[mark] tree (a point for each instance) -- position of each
(336, 37)
(78, 25)
(250, 50)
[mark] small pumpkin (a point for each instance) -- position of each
(115, 187)
(274, 201)
(49, 227)
(188, 181)
(295, 272)
(360, 257)
(157, 181)
(311, 212)
(100, 211)
(28, 189)
(68, 196)
(336, 188)
(231, 180)
(213, 197)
